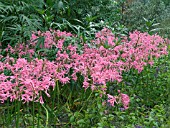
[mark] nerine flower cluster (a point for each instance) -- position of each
(99, 63)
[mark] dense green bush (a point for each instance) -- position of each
(148, 15)
(19, 18)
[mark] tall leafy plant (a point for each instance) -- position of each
(145, 15)
(17, 20)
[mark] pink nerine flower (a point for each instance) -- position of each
(111, 99)
(124, 99)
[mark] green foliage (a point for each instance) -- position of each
(17, 21)
(144, 15)
(19, 18)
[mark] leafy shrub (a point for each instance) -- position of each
(19, 18)
(151, 15)
(17, 21)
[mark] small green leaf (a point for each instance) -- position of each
(72, 119)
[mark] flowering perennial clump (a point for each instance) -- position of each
(101, 62)
(121, 98)
(141, 49)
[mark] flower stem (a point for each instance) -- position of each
(47, 115)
